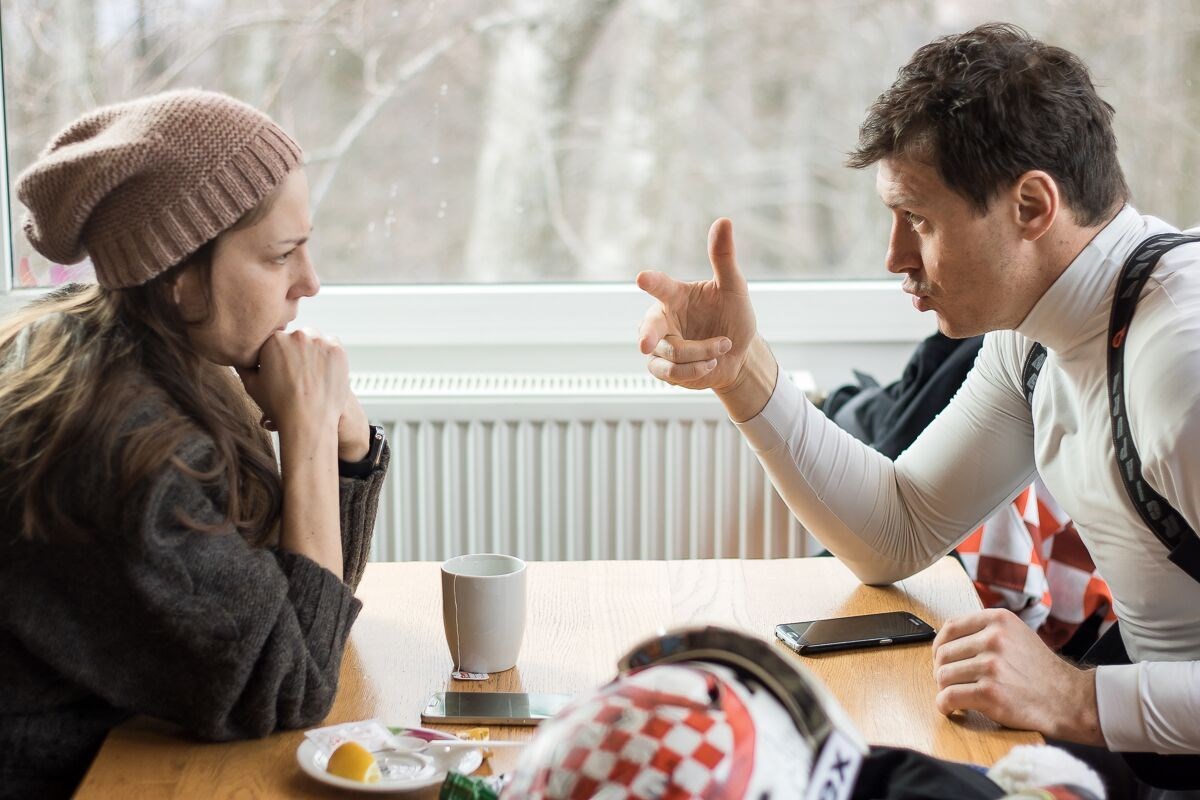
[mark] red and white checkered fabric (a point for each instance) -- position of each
(1029, 558)
(667, 732)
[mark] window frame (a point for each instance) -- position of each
(6, 217)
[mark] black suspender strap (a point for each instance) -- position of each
(1033, 366)
(1167, 524)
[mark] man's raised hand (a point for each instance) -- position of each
(698, 334)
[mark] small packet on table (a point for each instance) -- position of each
(370, 733)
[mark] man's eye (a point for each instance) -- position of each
(914, 221)
(283, 258)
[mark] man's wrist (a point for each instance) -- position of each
(750, 391)
(1080, 718)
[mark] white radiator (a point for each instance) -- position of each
(562, 467)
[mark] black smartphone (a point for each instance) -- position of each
(845, 633)
(492, 708)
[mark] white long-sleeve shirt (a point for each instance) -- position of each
(888, 519)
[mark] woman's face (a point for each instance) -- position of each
(259, 274)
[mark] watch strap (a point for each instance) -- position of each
(364, 467)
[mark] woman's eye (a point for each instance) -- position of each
(914, 221)
(283, 258)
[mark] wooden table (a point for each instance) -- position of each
(582, 617)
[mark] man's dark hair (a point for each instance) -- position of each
(986, 106)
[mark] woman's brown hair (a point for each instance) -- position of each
(77, 365)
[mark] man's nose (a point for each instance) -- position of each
(904, 251)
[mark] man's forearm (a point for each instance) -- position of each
(755, 384)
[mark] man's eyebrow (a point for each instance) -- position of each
(899, 202)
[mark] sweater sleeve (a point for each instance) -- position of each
(359, 505)
(887, 520)
(188, 625)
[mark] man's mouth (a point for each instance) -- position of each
(920, 295)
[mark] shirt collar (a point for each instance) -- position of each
(1076, 306)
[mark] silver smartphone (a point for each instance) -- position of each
(845, 633)
(492, 708)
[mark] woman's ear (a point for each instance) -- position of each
(186, 293)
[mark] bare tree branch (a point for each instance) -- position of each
(389, 91)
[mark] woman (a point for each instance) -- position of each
(154, 556)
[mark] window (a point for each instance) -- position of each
(533, 141)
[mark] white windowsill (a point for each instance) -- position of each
(554, 315)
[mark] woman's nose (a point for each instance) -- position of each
(306, 283)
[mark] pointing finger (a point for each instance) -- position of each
(723, 258)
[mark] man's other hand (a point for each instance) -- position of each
(993, 663)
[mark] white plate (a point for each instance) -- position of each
(402, 772)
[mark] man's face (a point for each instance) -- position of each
(962, 266)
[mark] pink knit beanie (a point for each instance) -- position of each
(139, 186)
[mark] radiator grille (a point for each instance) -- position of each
(568, 467)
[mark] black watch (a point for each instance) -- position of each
(363, 468)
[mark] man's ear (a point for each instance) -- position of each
(1037, 203)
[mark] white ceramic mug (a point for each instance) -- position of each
(483, 608)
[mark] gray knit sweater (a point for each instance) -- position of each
(201, 629)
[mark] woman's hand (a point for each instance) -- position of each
(302, 381)
(302, 385)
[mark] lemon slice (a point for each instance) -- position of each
(354, 762)
(478, 735)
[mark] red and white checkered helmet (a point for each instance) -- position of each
(704, 712)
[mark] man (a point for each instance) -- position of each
(997, 161)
